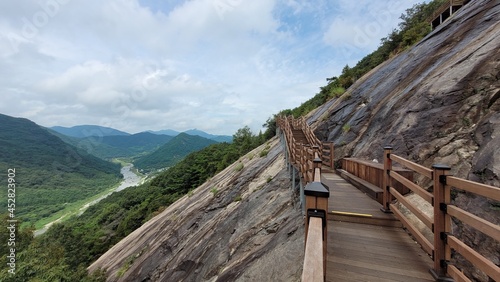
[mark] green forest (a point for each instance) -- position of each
(172, 152)
(64, 252)
(117, 146)
(49, 171)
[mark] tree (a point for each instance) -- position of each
(243, 139)
(270, 126)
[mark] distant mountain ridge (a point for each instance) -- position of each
(83, 131)
(165, 132)
(217, 138)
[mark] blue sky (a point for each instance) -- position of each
(214, 65)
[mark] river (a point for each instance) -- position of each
(129, 179)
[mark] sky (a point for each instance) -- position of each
(213, 65)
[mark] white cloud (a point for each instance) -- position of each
(361, 24)
(215, 65)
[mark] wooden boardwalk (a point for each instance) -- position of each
(365, 244)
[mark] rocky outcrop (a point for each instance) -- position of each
(244, 224)
(437, 102)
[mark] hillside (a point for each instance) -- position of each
(49, 172)
(435, 102)
(117, 146)
(172, 152)
(83, 131)
(217, 138)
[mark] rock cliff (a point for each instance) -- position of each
(437, 102)
(242, 225)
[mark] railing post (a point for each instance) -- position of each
(332, 162)
(442, 222)
(317, 169)
(317, 195)
(386, 180)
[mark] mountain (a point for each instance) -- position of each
(217, 138)
(196, 132)
(172, 152)
(49, 172)
(82, 131)
(108, 143)
(117, 146)
(138, 143)
(165, 132)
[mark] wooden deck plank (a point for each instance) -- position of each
(365, 252)
(343, 195)
(349, 272)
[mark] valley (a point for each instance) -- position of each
(130, 178)
(62, 171)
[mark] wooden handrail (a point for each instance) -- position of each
(307, 159)
(313, 258)
(326, 150)
(413, 166)
(474, 187)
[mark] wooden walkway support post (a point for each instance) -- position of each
(386, 181)
(442, 221)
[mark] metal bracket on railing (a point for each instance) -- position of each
(444, 236)
(442, 179)
(443, 207)
(444, 263)
(317, 213)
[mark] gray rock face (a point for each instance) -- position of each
(437, 102)
(437, 94)
(242, 225)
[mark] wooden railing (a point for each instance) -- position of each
(443, 211)
(445, 11)
(373, 173)
(296, 149)
(306, 158)
(316, 204)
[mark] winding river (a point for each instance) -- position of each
(129, 179)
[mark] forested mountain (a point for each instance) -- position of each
(165, 132)
(172, 152)
(49, 172)
(82, 131)
(118, 146)
(217, 138)
(109, 143)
